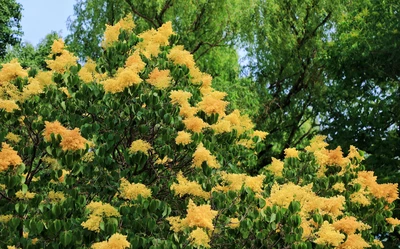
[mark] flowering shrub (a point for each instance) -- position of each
(138, 150)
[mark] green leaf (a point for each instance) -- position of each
(65, 238)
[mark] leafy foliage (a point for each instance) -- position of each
(10, 28)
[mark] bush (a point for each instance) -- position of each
(137, 150)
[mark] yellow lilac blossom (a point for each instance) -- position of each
(72, 140)
(339, 186)
(116, 241)
(234, 223)
(8, 105)
(160, 79)
(261, 134)
(195, 124)
(199, 237)
(45, 78)
(125, 77)
(187, 111)
(52, 128)
(393, 221)
(179, 97)
(140, 145)
(221, 126)
(58, 46)
(11, 71)
(212, 103)
(153, 39)
(350, 225)
(112, 31)
(200, 216)
(135, 62)
(62, 62)
(24, 196)
(8, 157)
(184, 187)
(98, 211)
(5, 218)
(12, 137)
(61, 179)
(353, 153)
(328, 235)
(56, 196)
(131, 191)
(183, 138)
(291, 153)
(276, 167)
(180, 56)
(177, 223)
(367, 180)
(354, 241)
(202, 155)
(317, 143)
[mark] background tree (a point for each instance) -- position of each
(287, 45)
(10, 27)
(363, 97)
(31, 56)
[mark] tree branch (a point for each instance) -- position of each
(141, 15)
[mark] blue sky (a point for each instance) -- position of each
(40, 17)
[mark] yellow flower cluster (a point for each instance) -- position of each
(5, 218)
(291, 153)
(199, 237)
(131, 191)
(350, 225)
(241, 123)
(234, 223)
(64, 59)
(328, 235)
(140, 145)
(8, 105)
(160, 79)
(116, 241)
(153, 39)
(56, 196)
(325, 157)
(276, 167)
(200, 217)
(71, 139)
(11, 71)
(212, 103)
(185, 186)
(88, 72)
(283, 195)
(393, 221)
(367, 180)
(179, 97)
(112, 31)
(24, 196)
(125, 77)
(339, 186)
(8, 157)
(191, 122)
(202, 155)
(354, 241)
(235, 182)
(184, 138)
(195, 124)
(98, 211)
